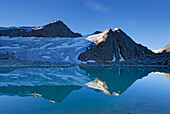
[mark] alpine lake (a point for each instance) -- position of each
(84, 90)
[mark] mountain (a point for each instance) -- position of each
(164, 49)
(113, 46)
(56, 83)
(109, 47)
(97, 32)
(53, 29)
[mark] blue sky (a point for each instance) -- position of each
(145, 21)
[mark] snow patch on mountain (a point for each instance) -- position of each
(121, 57)
(97, 37)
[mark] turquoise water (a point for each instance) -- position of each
(77, 90)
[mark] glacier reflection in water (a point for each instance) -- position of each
(60, 84)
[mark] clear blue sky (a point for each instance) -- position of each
(145, 21)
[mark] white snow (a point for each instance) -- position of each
(116, 29)
(64, 44)
(114, 58)
(157, 50)
(91, 61)
(97, 37)
(121, 58)
(45, 49)
(9, 47)
(46, 45)
(37, 28)
(47, 57)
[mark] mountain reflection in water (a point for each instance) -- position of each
(56, 83)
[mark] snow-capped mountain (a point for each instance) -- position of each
(113, 46)
(54, 43)
(165, 49)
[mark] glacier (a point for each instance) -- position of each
(44, 49)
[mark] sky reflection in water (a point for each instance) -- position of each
(80, 89)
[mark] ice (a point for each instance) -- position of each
(47, 57)
(97, 37)
(89, 61)
(45, 49)
(64, 44)
(46, 45)
(116, 29)
(121, 58)
(158, 50)
(67, 58)
(9, 47)
(114, 58)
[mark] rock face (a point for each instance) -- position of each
(113, 46)
(9, 32)
(54, 29)
(97, 32)
(160, 59)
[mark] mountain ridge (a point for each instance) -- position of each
(53, 29)
(114, 45)
(164, 49)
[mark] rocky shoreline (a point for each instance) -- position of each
(24, 63)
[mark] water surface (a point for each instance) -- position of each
(78, 89)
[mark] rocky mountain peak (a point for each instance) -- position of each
(117, 29)
(53, 29)
(113, 46)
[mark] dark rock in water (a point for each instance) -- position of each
(114, 46)
(54, 29)
(97, 32)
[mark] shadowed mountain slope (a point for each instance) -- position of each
(53, 29)
(113, 46)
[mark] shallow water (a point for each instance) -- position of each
(77, 89)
